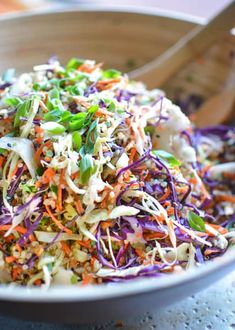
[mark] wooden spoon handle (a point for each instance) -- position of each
(158, 71)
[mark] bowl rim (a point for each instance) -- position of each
(71, 293)
(127, 9)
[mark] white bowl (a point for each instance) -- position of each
(113, 37)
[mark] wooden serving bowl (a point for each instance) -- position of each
(123, 40)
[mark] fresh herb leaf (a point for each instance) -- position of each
(74, 63)
(111, 74)
(58, 116)
(196, 222)
(53, 128)
(40, 171)
(86, 167)
(91, 138)
(93, 108)
(77, 121)
(54, 189)
(2, 151)
(166, 156)
(74, 279)
(22, 111)
(12, 101)
(77, 140)
(54, 102)
(110, 104)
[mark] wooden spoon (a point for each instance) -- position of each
(216, 110)
(158, 71)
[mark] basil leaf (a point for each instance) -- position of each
(77, 140)
(22, 111)
(111, 74)
(166, 156)
(196, 222)
(86, 167)
(91, 138)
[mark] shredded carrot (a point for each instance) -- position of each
(193, 180)
(101, 112)
(48, 175)
(16, 271)
(166, 194)
(56, 221)
(19, 229)
(65, 248)
(38, 282)
(154, 236)
(2, 159)
(209, 251)
(219, 228)
(106, 224)
(132, 155)
(93, 260)
(226, 198)
(60, 190)
(38, 129)
(86, 244)
(139, 252)
(79, 207)
(18, 248)
(40, 150)
(10, 259)
(87, 279)
(88, 68)
(229, 175)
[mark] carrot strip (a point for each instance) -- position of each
(219, 228)
(132, 155)
(10, 259)
(86, 244)
(56, 221)
(101, 112)
(40, 150)
(79, 207)
(87, 279)
(48, 175)
(2, 159)
(16, 271)
(154, 236)
(106, 224)
(60, 196)
(65, 248)
(226, 198)
(166, 194)
(20, 229)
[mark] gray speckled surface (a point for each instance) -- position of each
(211, 309)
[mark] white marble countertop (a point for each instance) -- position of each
(211, 309)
